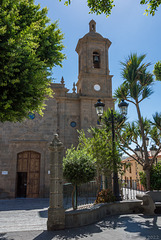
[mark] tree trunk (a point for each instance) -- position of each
(103, 181)
(146, 167)
(98, 180)
(74, 197)
(147, 170)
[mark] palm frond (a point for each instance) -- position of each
(147, 92)
(121, 92)
(157, 71)
(135, 90)
(137, 79)
(157, 120)
(155, 135)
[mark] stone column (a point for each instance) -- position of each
(56, 212)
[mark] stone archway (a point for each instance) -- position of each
(28, 174)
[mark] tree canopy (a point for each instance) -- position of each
(78, 166)
(99, 147)
(155, 180)
(157, 71)
(30, 46)
(105, 6)
(138, 82)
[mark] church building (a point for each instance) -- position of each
(24, 154)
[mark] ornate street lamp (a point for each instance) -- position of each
(153, 150)
(99, 110)
(123, 107)
(99, 107)
(137, 150)
(147, 141)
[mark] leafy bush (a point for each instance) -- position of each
(105, 196)
(78, 166)
(155, 177)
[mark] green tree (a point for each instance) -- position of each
(99, 146)
(105, 6)
(137, 86)
(132, 134)
(155, 177)
(157, 71)
(30, 46)
(78, 167)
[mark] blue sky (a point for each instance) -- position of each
(127, 28)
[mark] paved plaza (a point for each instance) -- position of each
(25, 219)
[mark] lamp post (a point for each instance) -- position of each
(99, 110)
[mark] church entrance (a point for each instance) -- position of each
(28, 174)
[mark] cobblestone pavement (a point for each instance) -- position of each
(25, 219)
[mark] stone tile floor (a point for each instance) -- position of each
(25, 219)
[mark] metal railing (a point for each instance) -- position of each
(87, 193)
(130, 188)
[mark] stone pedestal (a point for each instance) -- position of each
(56, 212)
(56, 219)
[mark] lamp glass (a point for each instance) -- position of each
(124, 110)
(147, 141)
(99, 111)
(123, 107)
(137, 150)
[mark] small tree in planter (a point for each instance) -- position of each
(78, 167)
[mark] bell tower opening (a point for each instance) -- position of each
(92, 26)
(96, 60)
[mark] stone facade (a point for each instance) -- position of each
(24, 155)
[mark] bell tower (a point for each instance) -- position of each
(94, 79)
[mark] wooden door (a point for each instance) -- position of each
(33, 180)
(29, 162)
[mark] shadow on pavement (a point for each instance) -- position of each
(3, 237)
(74, 233)
(43, 214)
(143, 227)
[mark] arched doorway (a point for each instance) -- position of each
(28, 174)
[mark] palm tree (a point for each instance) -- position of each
(136, 87)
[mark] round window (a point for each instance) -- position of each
(73, 124)
(31, 115)
(97, 87)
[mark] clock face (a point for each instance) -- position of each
(97, 87)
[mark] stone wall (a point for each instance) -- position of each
(96, 213)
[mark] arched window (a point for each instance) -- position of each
(96, 60)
